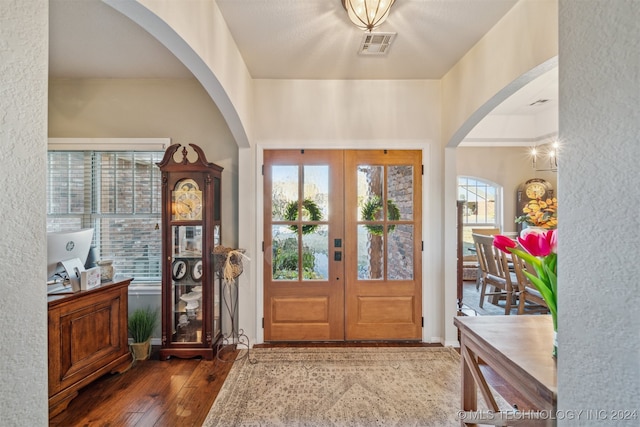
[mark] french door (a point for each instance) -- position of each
(342, 245)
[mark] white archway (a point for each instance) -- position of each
(230, 106)
(451, 180)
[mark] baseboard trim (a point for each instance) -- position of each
(154, 341)
(145, 289)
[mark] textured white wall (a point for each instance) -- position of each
(599, 231)
(301, 111)
(23, 140)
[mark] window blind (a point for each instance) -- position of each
(118, 194)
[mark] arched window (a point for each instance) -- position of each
(482, 208)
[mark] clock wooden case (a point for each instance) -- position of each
(191, 229)
(532, 189)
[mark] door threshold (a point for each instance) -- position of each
(294, 344)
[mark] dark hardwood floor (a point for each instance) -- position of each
(176, 392)
(180, 392)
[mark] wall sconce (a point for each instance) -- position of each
(549, 158)
(367, 14)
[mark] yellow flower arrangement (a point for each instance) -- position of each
(540, 213)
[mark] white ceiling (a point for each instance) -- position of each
(289, 39)
(314, 39)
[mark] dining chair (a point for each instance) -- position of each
(527, 292)
(495, 272)
(486, 232)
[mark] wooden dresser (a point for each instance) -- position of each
(87, 338)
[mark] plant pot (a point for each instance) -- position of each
(141, 350)
(532, 229)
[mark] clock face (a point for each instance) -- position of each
(187, 201)
(536, 190)
(196, 271)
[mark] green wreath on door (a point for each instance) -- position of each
(291, 214)
(370, 210)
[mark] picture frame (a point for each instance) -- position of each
(179, 269)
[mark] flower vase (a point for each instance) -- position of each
(532, 229)
(554, 351)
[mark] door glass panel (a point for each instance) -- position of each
(284, 253)
(400, 192)
(370, 254)
(316, 189)
(284, 190)
(400, 252)
(315, 208)
(370, 228)
(315, 254)
(370, 181)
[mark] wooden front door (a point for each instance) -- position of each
(383, 232)
(342, 260)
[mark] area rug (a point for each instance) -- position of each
(471, 299)
(404, 386)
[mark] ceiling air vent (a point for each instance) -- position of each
(376, 43)
(539, 102)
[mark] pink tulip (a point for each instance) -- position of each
(552, 235)
(503, 242)
(538, 244)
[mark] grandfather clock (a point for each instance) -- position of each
(191, 229)
(532, 189)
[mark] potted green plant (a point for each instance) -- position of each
(142, 323)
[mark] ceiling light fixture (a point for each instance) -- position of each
(367, 14)
(552, 156)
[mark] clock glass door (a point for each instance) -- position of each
(186, 288)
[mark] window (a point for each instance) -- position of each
(481, 210)
(118, 194)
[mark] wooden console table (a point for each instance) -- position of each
(87, 339)
(518, 348)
